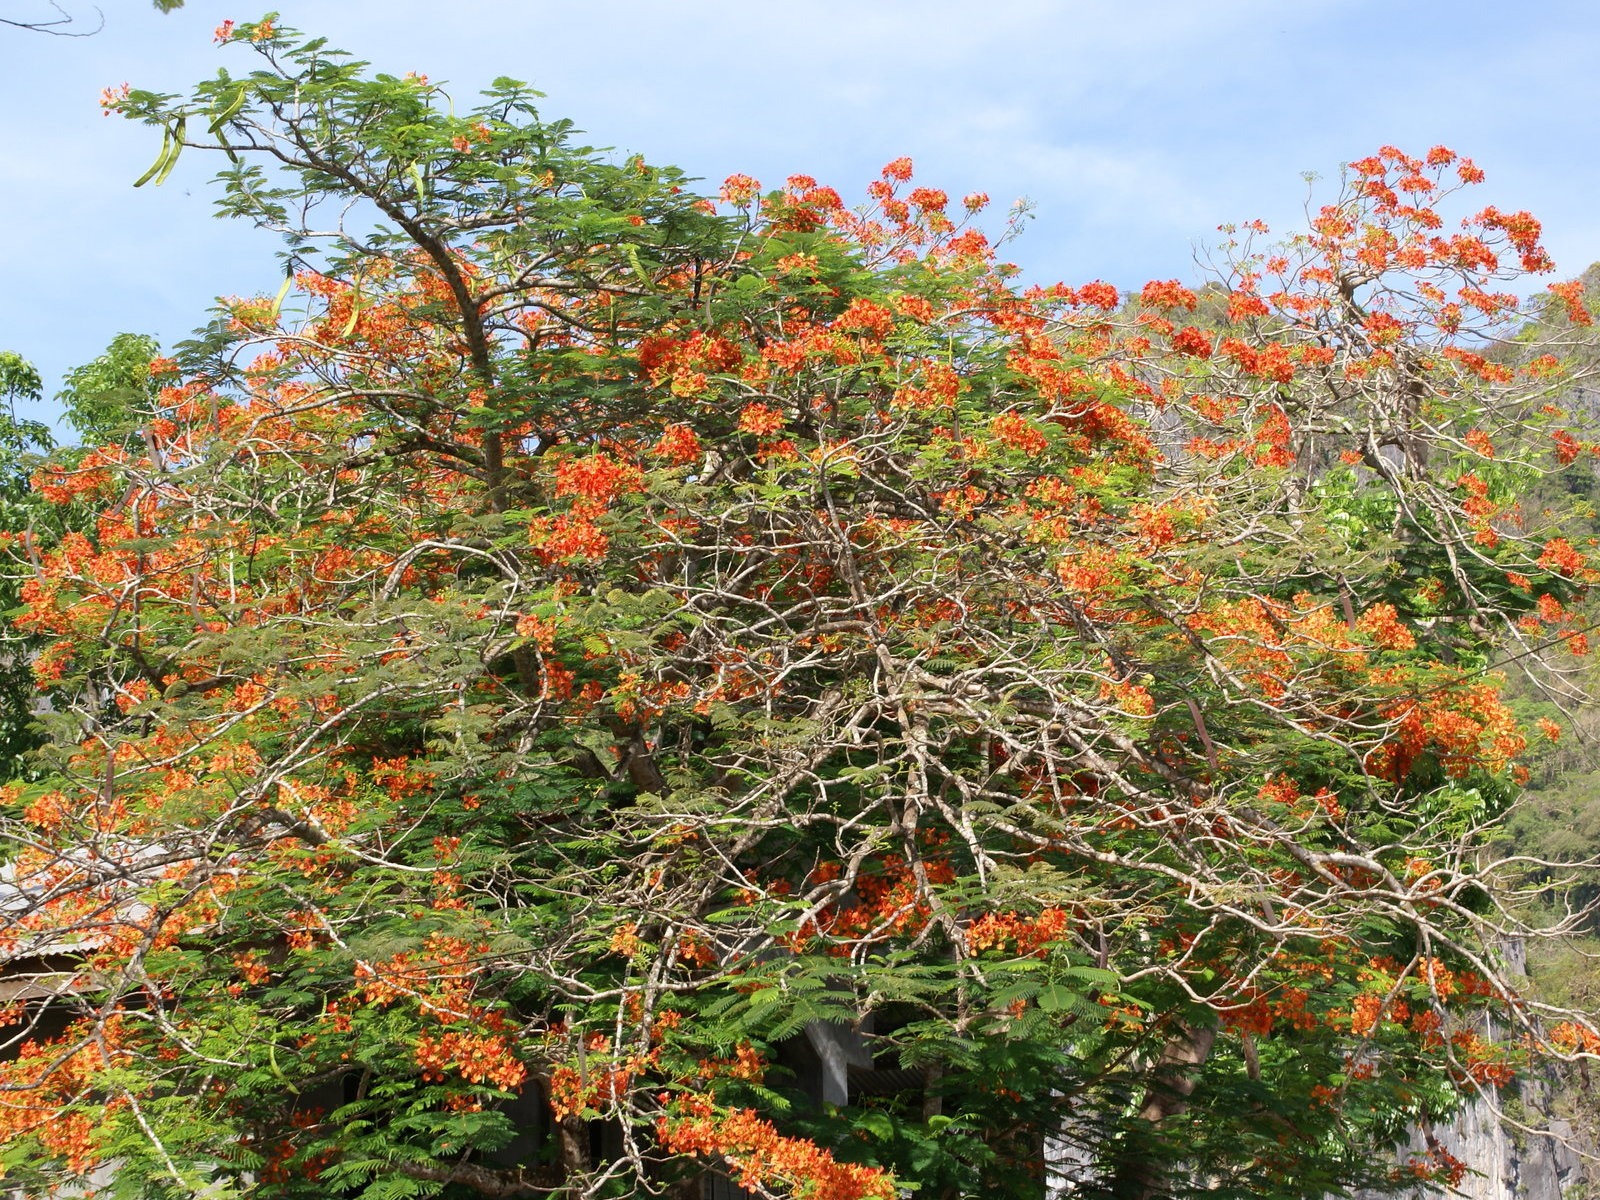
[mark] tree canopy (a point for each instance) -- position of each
(583, 642)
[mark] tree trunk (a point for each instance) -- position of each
(1138, 1174)
(572, 1136)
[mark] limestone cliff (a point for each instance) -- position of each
(1505, 1162)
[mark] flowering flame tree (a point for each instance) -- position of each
(581, 636)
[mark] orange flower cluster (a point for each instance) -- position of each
(679, 445)
(48, 1081)
(1013, 431)
(1382, 624)
(1559, 556)
(477, 1058)
(760, 419)
(1487, 1063)
(866, 317)
(477, 1042)
(1281, 791)
(566, 538)
(596, 477)
(1571, 1038)
(400, 779)
(90, 477)
(1366, 1010)
(740, 190)
(1274, 441)
(889, 902)
(1168, 294)
(595, 1080)
(1030, 935)
(763, 1158)
(747, 1064)
(1466, 727)
(939, 388)
(1437, 1165)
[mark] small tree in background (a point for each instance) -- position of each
(19, 438)
(582, 636)
(103, 400)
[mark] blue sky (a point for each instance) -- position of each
(1135, 128)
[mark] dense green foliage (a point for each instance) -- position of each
(19, 439)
